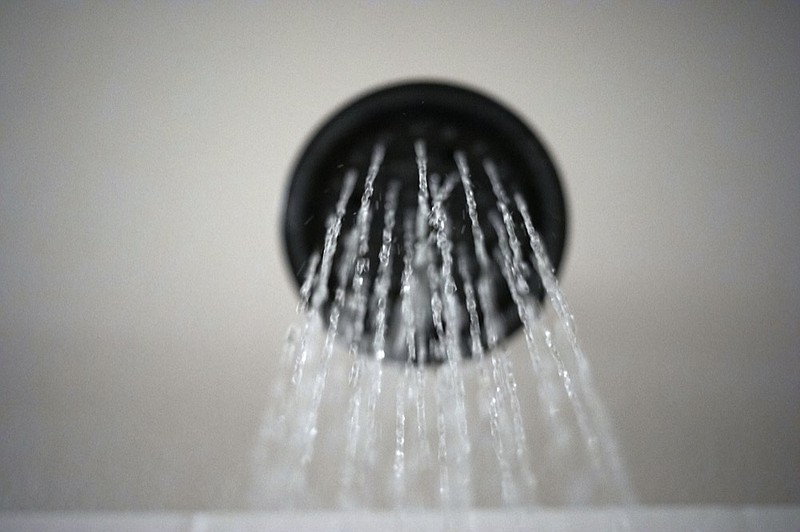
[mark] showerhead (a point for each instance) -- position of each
(427, 141)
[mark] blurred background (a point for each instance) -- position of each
(144, 295)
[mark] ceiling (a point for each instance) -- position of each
(144, 293)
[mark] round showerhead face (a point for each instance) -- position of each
(433, 141)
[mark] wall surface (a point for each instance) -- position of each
(144, 296)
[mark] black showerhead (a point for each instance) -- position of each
(448, 123)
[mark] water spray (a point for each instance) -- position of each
(425, 224)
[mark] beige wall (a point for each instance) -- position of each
(144, 297)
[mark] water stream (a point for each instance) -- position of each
(358, 419)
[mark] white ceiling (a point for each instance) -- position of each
(144, 296)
